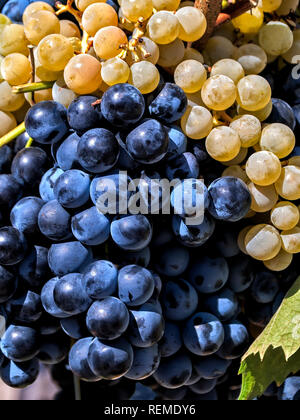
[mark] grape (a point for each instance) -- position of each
(252, 57)
(19, 375)
(279, 139)
(265, 287)
(47, 297)
(190, 75)
(35, 7)
(209, 275)
(223, 144)
(184, 166)
(192, 23)
(62, 94)
(16, 69)
(83, 4)
(163, 27)
(24, 214)
(146, 327)
(42, 73)
(195, 236)
(135, 9)
(263, 168)
(54, 52)
(54, 221)
(287, 6)
(140, 232)
(211, 367)
(261, 114)
(108, 40)
(288, 184)
(237, 172)
(241, 273)
(192, 54)
(263, 242)
(13, 40)
(224, 305)
(172, 110)
(218, 48)
(53, 349)
(83, 74)
(249, 22)
(78, 360)
(171, 54)
(219, 93)
(7, 122)
(171, 5)
(269, 5)
(71, 189)
(69, 257)
(282, 113)
(285, 215)
(197, 122)
(69, 29)
(115, 71)
(148, 51)
(173, 261)
(8, 283)
(236, 341)
(248, 128)
(174, 372)
(97, 16)
(20, 344)
(290, 389)
(10, 102)
(291, 240)
(230, 68)
(29, 165)
(100, 279)
(276, 38)
(10, 190)
(281, 262)
(144, 76)
(39, 25)
(171, 341)
(34, 268)
(177, 143)
(263, 198)
(82, 117)
(254, 93)
(91, 227)
(145, 363)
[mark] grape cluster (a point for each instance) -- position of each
(130, 299)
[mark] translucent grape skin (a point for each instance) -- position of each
(41, 24)
(291, 240)
(83, 4)
(218, 48)
(219, 93)
(263, 198)
(252, 58)
(170, 5)
(254, 93)
(54, 52)
(197, 122)
(83, 74)
(190, 75)
(285, 215)
(69, 29)
(276, 38)
(115, 71)
(278, 139)
(263, 242)
(97, 16)
(163, 27)
(281, 262)
(192, 22)
(7, 122)
(288, 184)
(237, 172)
(223, 143)
(16, 69)
(171, 54)
(35, 7)
(249, 129)
(263, 168)
(250, 22)
(108, 40)
(134, 9)
(13, 40)
(269, 5)
(230, 68)
(261, 114)
(10, 102)
(144, 76)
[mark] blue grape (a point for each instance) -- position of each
(172, 261)
(69, 294)
(259, 314)
(78, 360)
(24, 215)
(148, 143)
(146, 328)
(227, 243)
(10, 190)
(230, 199)
(69, 257)
(236, 341)
(6, 155)
(100, 279)
(174, 371)
(13, 246)
(75, 326)
(203, 334)
(8, 284)
(290, 390)
(11, 9)
(177, 142)
(282, 113)
(71, 189)
(211, 367)
(188, 196)
(29, 165)
(110, 360)
(131, 233)
(47, 183)
(26, 308)
(195, 235)
(277, 302)
(153, 305)
(145, 363)
(171, 341)
(208, 275)
(54, 221)
(91, 227)
(224, 304)
(21, 142)
(20, 344)
(53, 349)
(47, 298)
(46, 122)
(180, 300)
(66, 155)
(271, 391)
(184, 166)
(265, 287)
(108, 318)
(19, 375)
(122, 105)
(47, 325)
(170, 104)
(98, 150)
(82, 115)
(241, 274)
(141, 258)
(195, 377)
(136, 285)
(204, 386)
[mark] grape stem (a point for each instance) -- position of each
(32, 87)
(12, 134)
(135, 46)
(77, 388)
(29, 143)
(68, 8)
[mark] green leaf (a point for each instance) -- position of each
(276, 352)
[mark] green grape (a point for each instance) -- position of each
(190, 75)
(69, 29)
(192, 54)
(292, 55)
(261, 114)
(7, 122)
(263, 168)
(171, 54)
(269, 5)
(241, 157)
(230, 68)
(248, 128)
(62, 94)
(279, 139)
(291, 240)
(10, 102)
(219, 93)
(254, 93)
(252, 58)
(97, 16)
(249, 22)
(197, 122)
(115, 71)
(16, 69)
(108, 40)
(134, 9)
(171, 5)
(83, 74)
(54, 52)
(218, 48)
(237, 172)
(285, 215)
(42, 73)
(263, 198)
(144, 76)
(163, 27)
(288, 184)
(276, 38)
(281, 262)
(13, 40)
(192, 22)
(223, 144)
(41, 24)
(263, 242)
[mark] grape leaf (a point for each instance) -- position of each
(276, 352)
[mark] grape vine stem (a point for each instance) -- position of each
(32, 87)
(12, 134)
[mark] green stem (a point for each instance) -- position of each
(12, 134)
(32, 87)
(29, 143)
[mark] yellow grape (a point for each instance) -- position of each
(54, 52)
(252, 58)
(249, 129)
(251, 214)
(219, 93)
(292, 55)
(230, 68)
(190, 75)
(276, 38)
(238, 159)
(10, 102)
(237, 172)
(288, 184)
(62, 94)
(16, 69)
(163, 27)
(40, 96)
(69, 29)
(107, 42)
(279, 139)
(291, 240)
(223, 144)
(287, 6)
(170, 5)
(144, 76)
(83, 4)
(241, 239)
(125, 23)
(41, 24)
(254, 93)
(218, 48)
(192, 22)
(35, 7)
(263, 168)
(269, 5)
(134, 9)
(171, 54)
(7, 122)
(13, 40)
(115, 71)
(148, 51)
(197, 122)
(42, 73)
(83, 74)
(195, 99)
(249, 22)
(263, 242)
(285, 215)
(294, 161)
(261, 114)
(192, 54)
(97, 16)
(281, 262)
(263, 198)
